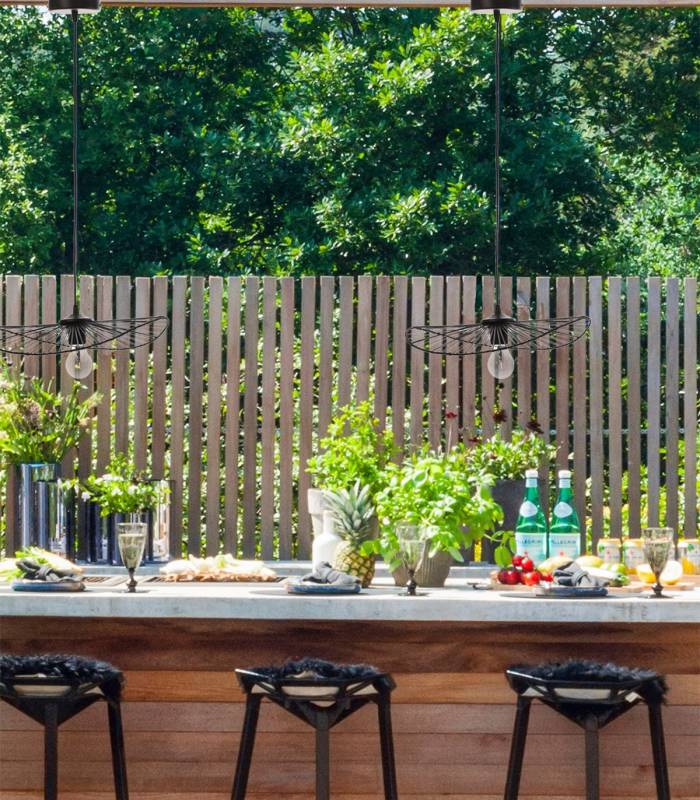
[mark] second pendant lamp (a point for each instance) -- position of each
(500, 333)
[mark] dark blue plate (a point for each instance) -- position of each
(304, 587)
(47, 586)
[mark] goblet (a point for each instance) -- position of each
(132, 542)
(658, 544)
(413, 547)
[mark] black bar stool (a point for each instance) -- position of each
(52, 689)
(591, 695)
(321, 694)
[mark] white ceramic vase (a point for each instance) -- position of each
(324, 546)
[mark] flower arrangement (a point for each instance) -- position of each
(38, 425)
(504, 459)
(440, 493)
(354, 449)
(121, 490)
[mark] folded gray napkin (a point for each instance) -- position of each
(574, 575)
(325, 574)
(34, 571)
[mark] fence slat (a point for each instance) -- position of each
(672, 401)
(580, 365)
(506, 388)
(142, 298)
(250, 418)
(653, 398)
(104, 378)
(417, 363)
(306, 394)
(435, 360)
(213, 499)
(48, 317)
(543, 366)
(468, 362)
(561, 382)
(177, 410)
(524, 356)
(13, 316)
(233, 412)
(194, 451)
(160, 365)
(87, 308)
(325, 367)
(287, 413)
(398, 366)
(345, 339)
(364, 328)
(381, 349)
(690, 399)
(269, 424)
(31, 317)
(595, 286)
(453, 313)
(615, 405)
(488, 384)
(634, 407)
(122, 367)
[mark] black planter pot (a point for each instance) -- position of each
(509, 495)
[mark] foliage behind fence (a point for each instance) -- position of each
(233, 402)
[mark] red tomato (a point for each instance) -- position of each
(531, 578)
(501, 577)
(527, 564)
(547, 578)
(517, 561)
(512, 577)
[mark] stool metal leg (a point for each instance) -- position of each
(592, 760)
(517, 748)
(51, 752)
(387, 744)
(323, 764)
(245, 752)
(116, 738)
(658, 746)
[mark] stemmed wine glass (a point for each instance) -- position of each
(658, 544)
(413, 547)
(131, 546)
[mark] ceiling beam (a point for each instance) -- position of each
(373, 3)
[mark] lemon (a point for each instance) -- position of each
(589, 561)
(673, 572)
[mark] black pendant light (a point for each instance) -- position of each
(499, 333)
(76, 334)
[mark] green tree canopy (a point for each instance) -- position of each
(350, 141)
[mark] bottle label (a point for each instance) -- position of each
(562, 509)
(565, 544)
(533, 545)
(528, 509)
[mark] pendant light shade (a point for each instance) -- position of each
(78, 334)
(499, 333)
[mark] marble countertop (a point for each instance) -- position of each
(455, 603)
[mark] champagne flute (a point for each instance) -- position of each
(658, 544)
(413, 547)
(132, 543)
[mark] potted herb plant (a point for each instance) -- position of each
(436, 492)
(126, 497)
(355, 449)
(505, 461)
(38, 427)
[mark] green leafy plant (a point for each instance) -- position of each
(121, 490)
(355, 449)
(438, 492)
(508, 460)
(38, 425)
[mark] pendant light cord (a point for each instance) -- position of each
(497, 148)
(76, 112)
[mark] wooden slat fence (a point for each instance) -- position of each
(234, 400)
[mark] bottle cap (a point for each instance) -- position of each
(564, 473)
(530, 473)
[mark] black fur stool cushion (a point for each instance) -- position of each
(72, 671)
(579, 688)
(320, 669)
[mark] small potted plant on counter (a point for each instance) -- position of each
(354, 449)
(128, 500)
(38, 427)
(436, 492)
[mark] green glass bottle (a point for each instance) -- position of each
(531, 527)
(565, 528)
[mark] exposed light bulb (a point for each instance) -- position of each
(79, 364)
(501, 364)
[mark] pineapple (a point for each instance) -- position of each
(354, 516)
